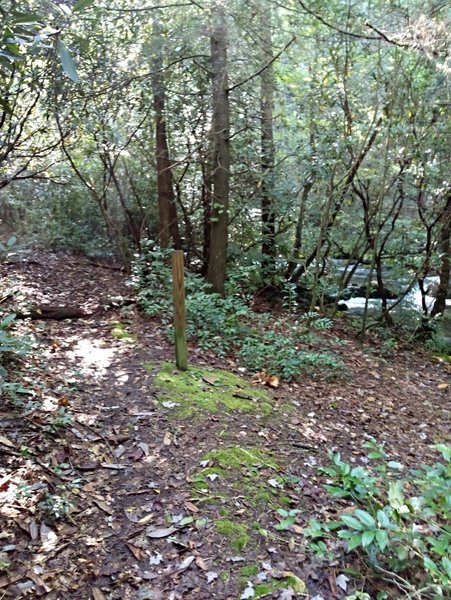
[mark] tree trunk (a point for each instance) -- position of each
(267, 152)
(168, 223)
(445, 267)
(217, 263)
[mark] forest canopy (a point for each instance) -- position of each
(277, 135)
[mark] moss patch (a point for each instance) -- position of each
(207, 390)
(120, 333)
(288, 580)
(236, 457)
(235, 532)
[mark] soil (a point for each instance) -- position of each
(107, 491)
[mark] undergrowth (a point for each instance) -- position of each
(284, 346)
(398, 525)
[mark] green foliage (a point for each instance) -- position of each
(289, 518)
(401, 526)
(10, 345)
(227, 324)
(7, 247)
(56, 505)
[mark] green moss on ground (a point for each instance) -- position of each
(207, 390)
(120, 333)
(235, 532)
(236, 457)
(289, 580)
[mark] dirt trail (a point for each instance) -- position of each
(155, 515)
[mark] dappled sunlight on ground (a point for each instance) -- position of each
(92, 357)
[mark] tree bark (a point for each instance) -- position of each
(217, 260)
(167, 210)
(267, 152)
(445, 267)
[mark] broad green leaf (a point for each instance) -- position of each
(354, 541)
(27, 18)
(382, 538)
(366, 518)
(367, 538)
(395, 494)
(383, 519)
(81, 5)
(67, 61)
(352, 522)
(446, 564)
(392, 464)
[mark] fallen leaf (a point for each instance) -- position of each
(185, 564)
(342, 582)
(113, 466)
(249, 592)
(48, 537)
(211, 576)
(161, 533)
(167, 438)
(170, 404)
(6, 442)
(103, 506)
(138, 553)
(147, 518)
(442, 386)
(191, 507)
(97, 594)
(201, 563)
(274, 381)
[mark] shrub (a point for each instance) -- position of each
(225, 325)
(399, 526)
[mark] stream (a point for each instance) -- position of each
(409, 309)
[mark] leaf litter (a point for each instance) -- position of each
(100, 495)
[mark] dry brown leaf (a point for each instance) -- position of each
(161, 533)
(138, 553)
(103, 506)
(6, 442)
(146, 519)
(191, 507)
(97, 594)
(442, 386)
(274, 381)
(167, 438)
(201, 563)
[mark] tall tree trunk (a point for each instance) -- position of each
(267, 152)
(217, 263)
(445, 267)
(168, 223)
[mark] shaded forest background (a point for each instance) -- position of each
(268, 140)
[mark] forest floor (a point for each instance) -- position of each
(112, 488)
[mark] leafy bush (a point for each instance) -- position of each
(9, 344)
(399, 526)
(227, 324)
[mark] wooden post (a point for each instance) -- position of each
(178, 287)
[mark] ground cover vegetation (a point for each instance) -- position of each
(297, 152)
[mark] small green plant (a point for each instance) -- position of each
(63, 418)
(227, 324)
(7, 247)
(401, 526)
(9, 344)
(56, 505)
(289, 518)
